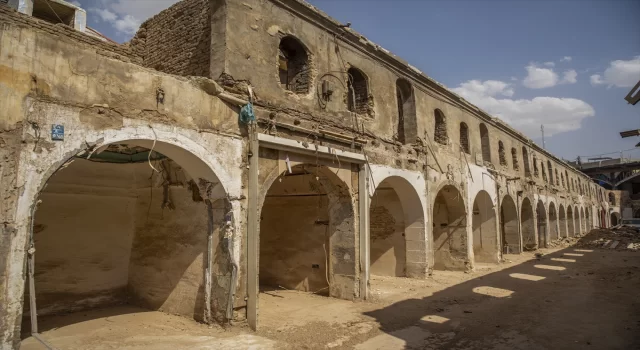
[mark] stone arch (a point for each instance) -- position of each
(553, 222)
(570, 222)
(578, 220)
(509, 226)
(440, 127)
(485, 236)
(323, 232)
(615, 218)
(562, 222)
(583, 221)
(543, 225)
(528, 225)
(358, 91)
(404, 251)
(407, 127)
(294, 66)
(450, 229)
(485, 143)
(464, 138)
(99, 215)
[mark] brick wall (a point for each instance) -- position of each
(177, 40)
(112, 50)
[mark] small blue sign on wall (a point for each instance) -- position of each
(57, 132)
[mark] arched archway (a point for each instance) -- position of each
(553, 222)
(562, 221)
(450, 230)
(307, 232)
(570, 223)
(485, 237)
(138, 221)
(509, 226)
(615, 218)
(528, 226)
(541, 219)
(396, 230)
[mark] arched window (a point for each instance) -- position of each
(535, 166)
(556, 177)
(464, 138)
(612, 198)
(514, 159)
(407, 128)
(440, 131)
(525, 161)
(501, 155)
(562, 179)
(550, 168)
(486, 145)
(358, 94)
(544, 173)
(293, 66)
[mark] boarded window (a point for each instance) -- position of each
(501, 155)
(514, 159)
(486, 145)
(464, 138)
(358, 94)
(525, 161)
(293, 66)
(407, 128)
(440, 132)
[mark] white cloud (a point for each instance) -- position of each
(125, 16)
(549, 64)
(557, 114)
(104, 14)
(569, 77)
(566, 59)
(539, 78)
(620, 73)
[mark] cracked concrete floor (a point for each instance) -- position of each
(569, 299)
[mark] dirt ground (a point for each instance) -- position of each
(569, 298)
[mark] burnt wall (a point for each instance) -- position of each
(178, 39)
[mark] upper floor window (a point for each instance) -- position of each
(535, 166)
(525, 161)
(501, 155)
(612, 198)
(550, 168)
(486, 144)
(440, 131)
(464, 138)
(557, 177)
(293, 66)
(514, 159)
(358, 94)
(562, 179)
(407, 127)
(544, 174)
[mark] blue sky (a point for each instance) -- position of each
(565, 64)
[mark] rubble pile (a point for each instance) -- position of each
(618, 237)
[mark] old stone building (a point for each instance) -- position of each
(127, 174)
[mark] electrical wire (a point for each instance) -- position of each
(54, 11)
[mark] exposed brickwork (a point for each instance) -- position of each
(177, 40)
(108, 49)
(514, 159)
(358, 92)
(501, 153)
(382, 223)
(440, 132)
(464, 138)
(295, 67)
(525, 161)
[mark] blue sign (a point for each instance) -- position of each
(57, 132)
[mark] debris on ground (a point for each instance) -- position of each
(619, 237)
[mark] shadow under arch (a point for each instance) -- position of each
(296, 204)
(527, 225)
(485, 236)
(409, 236)
(509, 226)
(450, 229)
(110, 220)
